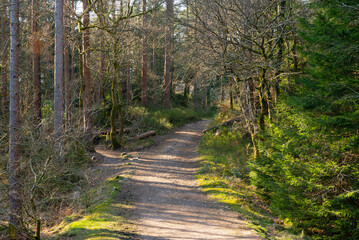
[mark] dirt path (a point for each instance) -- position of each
(168, 203)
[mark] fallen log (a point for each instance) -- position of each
(146, 135)
(225, 123)
(126, 130)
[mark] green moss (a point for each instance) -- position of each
(104, 220)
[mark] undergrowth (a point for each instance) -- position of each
(224, 175)
(141, 119)
(103, 219)
(47, 185)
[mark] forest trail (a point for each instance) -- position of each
(168, 204)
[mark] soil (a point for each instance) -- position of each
(168, 203)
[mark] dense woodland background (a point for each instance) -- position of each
(75, 74)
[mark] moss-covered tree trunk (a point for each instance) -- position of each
(115, 143)
(262, 99)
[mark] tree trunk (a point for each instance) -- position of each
(231, 94)
(87, 76)
(222, 89)
(67, 78)
(121, 8)
(67, 86)
(262, 99)
(186, 89)
(195, 93)
(3, 64)
(14, 150)
(36, 62)
(204, 98)
(102, 71)
(154, 66)
(115, 106)
(168, 55)
(59, 65)
(281, 7)
(144, 56)
(146, 135)
(128, 86)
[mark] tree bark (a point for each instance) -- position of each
(281, 7)
(262, 99)
(4, 56)
(146, 135)
(195, 93)
(204, 97)
(87, 74)
(67, 77)
(231, 94)
(58, 81)
(128, 86)
(115, 105)
(102, 71)
(14, 150)
(121, 8)
(222, 89)
(36, 62)
(168, 56)
(144, 56)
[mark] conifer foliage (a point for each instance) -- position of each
(308, 167)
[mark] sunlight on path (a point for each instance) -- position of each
(168, 202)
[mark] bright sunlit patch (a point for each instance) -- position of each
(189, 133)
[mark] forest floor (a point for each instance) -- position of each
(159, 197)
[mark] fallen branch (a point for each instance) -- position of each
(226, 123)
(146, 135)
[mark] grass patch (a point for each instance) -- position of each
(106, 219)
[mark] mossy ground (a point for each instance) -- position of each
(104, 220)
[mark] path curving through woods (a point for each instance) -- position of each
(168, 202)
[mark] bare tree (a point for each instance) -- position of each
(58, 81)
(168, 55)
(14, 151)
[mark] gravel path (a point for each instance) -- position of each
(168, 202)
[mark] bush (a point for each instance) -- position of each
(141, 119)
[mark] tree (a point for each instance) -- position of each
(67, 74)
(168, 55)
(86, 73)
(36, 62)
(14, 150)
(58, 80)
(144, 56)
(4, 56)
